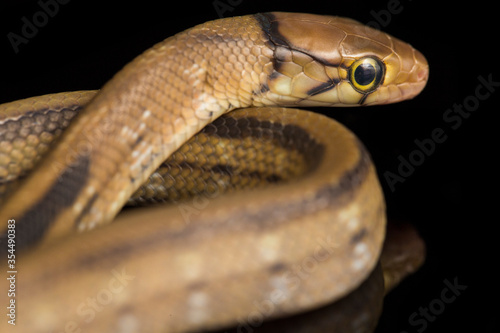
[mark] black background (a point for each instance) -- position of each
(451, 197)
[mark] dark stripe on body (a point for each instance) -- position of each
(352, 179)
(32, 226)
(223, 169)
(86, 209)
(43, 120)
(277, 268)
(44, 112)
(290, 137)
(359, 236)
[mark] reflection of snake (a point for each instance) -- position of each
(211, 260)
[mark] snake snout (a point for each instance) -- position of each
(417, 77)
(421, 70)
(406, 75)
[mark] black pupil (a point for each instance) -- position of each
(364, 74)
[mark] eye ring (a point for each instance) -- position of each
(366, 74)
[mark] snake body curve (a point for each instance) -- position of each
(239, 250)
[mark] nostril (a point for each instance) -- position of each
(421, 66)
(422, 74)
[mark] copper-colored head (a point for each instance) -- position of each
(326, 60)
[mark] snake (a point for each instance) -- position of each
(266, 206)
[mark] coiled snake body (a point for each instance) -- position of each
(202, 263)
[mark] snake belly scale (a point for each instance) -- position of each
(207, 272)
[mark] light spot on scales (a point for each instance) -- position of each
(77, 208)
(353, 223)
(189, 265)
(184, 128)
(118, 203)
(350, 214)
(146, 114)
(96, 213)
(268, 248)
(280, 289)
(197, 307)
(128, 323)
(137, 155)
(141, 157)
(362, 255)
(208, 107)
(90, 190)
(133, 134)
(126, 132)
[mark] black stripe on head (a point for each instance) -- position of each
(321, 88)
(277, 42)
(271, 29)
(31, 227)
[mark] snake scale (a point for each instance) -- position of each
(209, 259)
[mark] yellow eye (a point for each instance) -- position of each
(366, 74)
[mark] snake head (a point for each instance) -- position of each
(327, 60)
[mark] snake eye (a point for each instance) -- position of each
(366, 74)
